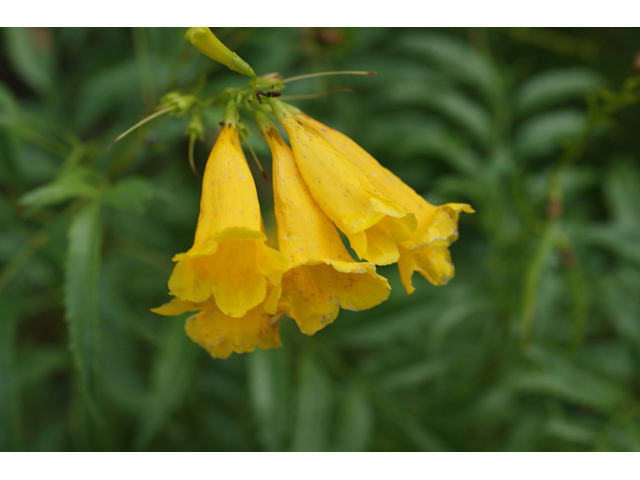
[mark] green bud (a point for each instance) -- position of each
(180, 103)
(195, 128)
(204, 40)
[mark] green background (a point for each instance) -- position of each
(533, 345)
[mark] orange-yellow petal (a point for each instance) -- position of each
(221, 335)
(323, 277)
(229, 261)
(346, 196)
(434, 223)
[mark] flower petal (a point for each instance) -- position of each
(221, 335)
(345, 194)
(323, 276)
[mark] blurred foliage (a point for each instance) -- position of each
(534, 345)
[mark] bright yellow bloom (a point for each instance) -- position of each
(229, 262)
(373, 222)
(426, 250)
(323, 277)
(204, 40)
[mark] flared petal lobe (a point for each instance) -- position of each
(323, 277)
(221, 335)
(229, 260)
(437, 226)
(373, 222)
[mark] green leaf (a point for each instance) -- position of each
(75, 183)
(81, 293)
(621, 243)
(132, 193)
(38, 365)
(619, 296)
(31, 59)
(568, 381)
(623, 195)
(172, 370)
(9, 392)
(313, 407)
(458, 108)
(355, 421)
(458, 60)
(542, 134)
(571, 431)
(552, 88)
(269, 390)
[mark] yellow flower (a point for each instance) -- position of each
(323, 277)
(426, 250)
(229, 263)
(373, 222)
(219, 334)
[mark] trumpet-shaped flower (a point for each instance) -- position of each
(426, 251)
(373, 222)
(323, 277)
(229, 263)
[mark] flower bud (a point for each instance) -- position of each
(204, 40)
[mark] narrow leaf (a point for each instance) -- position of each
(551, 88)
(171, 378)
(81, 292)
(9, 404)
(356, 421)
(268, 387)
(314, 402)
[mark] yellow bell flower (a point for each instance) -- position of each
(426, 250)
(204, 40)
(373, 222)
(229, 262)
(323, 277)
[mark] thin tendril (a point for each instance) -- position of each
(316, 95)
(139, 124)
(322, 74)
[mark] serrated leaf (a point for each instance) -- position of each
(542, 134)
(551, 88)
(171, 378)
(9, 388)
(458, 60)
(456, 107)
(356, 421)
(75, 183)
(132, 193)
(571, 432)
(620, 299)
(112, 87)
(82, 272)
(38, 365)
(33, 62)
(565, 380)
(269, 390)
(621, 243)
(622, 191)
(313, 405)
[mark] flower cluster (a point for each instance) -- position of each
(323, 183)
